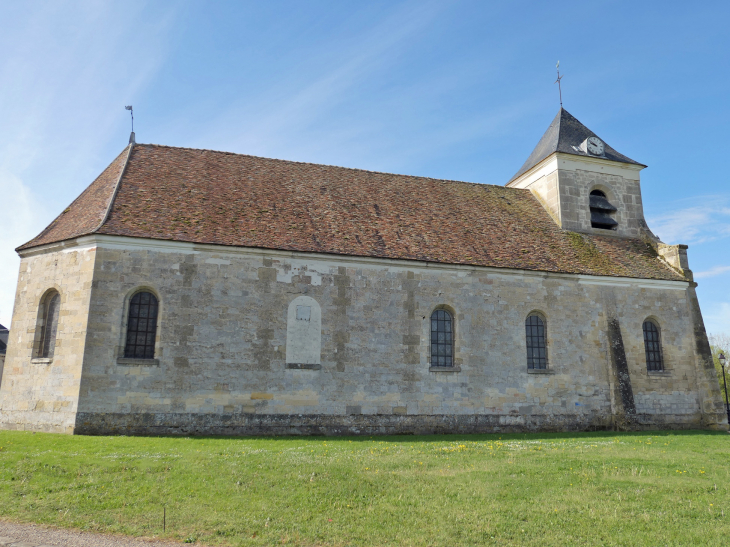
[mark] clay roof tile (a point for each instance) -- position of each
(220, 198)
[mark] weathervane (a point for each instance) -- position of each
(560, 91)
(131, 111)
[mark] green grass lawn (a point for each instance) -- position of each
(540, 489)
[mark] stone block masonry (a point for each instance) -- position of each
(43, 394)
(232, 321)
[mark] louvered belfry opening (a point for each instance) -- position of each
(601, 211)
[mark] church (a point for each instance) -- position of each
(191, 292)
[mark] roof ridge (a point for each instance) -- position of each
(358, 169)
(130, 146)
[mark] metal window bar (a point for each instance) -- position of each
(442, 339)
(50, 327)
(653, 347)
(536, 346)
(141, 327)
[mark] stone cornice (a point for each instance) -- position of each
(557, 156)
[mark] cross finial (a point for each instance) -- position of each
(560, 91)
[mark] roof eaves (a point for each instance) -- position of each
(564, 134)
(582, 154)
(535, 167)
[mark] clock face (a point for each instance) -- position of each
(594, 146)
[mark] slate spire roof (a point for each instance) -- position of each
(565, 135)
(206, 197)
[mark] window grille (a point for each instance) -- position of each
(141, 326)
(442, 339)
(536, 346)
(653, 347)
(50, 327)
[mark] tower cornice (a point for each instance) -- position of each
(571, 161)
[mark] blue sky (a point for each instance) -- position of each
(458, 90)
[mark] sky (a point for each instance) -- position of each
(455, 90)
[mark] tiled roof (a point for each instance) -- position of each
(565, 134)
(87, 211)
(220, 198)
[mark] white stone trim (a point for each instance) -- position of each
(572, 162)
(94, 241)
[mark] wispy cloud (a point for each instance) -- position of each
(717, 319)
(695, 224)
(67, 71)
(712, 272)
(699, 220)
(19, 222)
(320, 112)
(297, 104)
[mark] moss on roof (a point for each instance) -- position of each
(202, 196)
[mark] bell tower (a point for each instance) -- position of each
(584, 184)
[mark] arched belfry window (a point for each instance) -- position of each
(536, 343)
(141, 326)
(442, 339)
(601, 211)
(653, 347)
(51, 309)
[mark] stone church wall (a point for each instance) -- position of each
(239, 351)
(225, 362)
(42, 394)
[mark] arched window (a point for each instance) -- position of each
(442, 339)
(601, 211)
(536, 345)
(653, 347)
(51, 308)
(141, 326)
